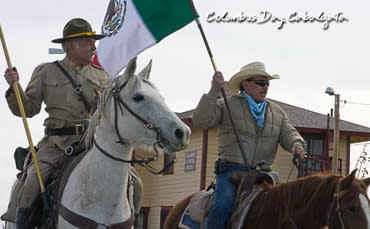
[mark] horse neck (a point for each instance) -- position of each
(303, 202)
(98, 185)
(309, 201)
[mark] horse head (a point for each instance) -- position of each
(316, 201)
(133, 113)
(352, 203)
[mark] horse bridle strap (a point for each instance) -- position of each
(117, 102)
(83, 222)
(145, 160)
(337, 204)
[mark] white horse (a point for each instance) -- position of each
(130, 114)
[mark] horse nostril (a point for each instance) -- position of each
(179, 133)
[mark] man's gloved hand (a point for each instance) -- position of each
(298, 149)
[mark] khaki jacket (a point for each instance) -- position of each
(48, 84)
(258, 143)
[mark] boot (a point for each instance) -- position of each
(21, 217)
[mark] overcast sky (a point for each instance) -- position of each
(307, 57)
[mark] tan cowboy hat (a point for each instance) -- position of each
(248, 71)
(77, 27)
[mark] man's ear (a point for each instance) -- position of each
(243, 85)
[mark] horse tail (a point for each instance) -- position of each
(173, 218)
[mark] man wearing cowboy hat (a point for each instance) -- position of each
(261, 125)
(68, 112)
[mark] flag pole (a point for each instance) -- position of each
(222, 88)
(23, 114)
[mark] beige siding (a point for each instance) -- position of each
(166, 190)
(212, 155)
(342, 151)
(283, 165)
(154, 218)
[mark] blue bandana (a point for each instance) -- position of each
(257, 109)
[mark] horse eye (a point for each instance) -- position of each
(138, 98)
(352, 209)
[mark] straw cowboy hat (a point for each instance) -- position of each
(77, 27)
(249, 71)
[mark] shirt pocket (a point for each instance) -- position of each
(58, 91)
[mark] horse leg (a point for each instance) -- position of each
(173, 219)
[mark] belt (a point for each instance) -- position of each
(77, 129)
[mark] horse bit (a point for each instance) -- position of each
(118, 102)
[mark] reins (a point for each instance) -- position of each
(118, 103)
(298, 164)
(337, 205)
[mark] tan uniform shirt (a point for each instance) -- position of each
(258, 143)
(49, 84)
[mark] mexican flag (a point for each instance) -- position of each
(131, 26)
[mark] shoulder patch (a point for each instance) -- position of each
(98, 67)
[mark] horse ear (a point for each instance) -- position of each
(146, 71)
(130, 68)
(353, 173)
(367, 181)
(347, 181)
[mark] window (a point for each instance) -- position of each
(164, 213)
(190, 161)
(315, 145)
(168, 164)
(315, 153)
(141, 221)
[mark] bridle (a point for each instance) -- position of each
(335, 203)
(118, 103)
(84, 222)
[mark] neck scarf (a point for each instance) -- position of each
(257, 109)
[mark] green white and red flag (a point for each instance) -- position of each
(131, 26)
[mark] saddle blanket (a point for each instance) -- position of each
(186, 222)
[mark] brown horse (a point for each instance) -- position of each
(312, 202)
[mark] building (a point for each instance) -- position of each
(193, 169)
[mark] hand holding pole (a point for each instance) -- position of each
(23, 114)
(222, 88)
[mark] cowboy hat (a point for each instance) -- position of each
(77, 27)
(248, 71)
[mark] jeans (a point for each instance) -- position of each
(225, 193)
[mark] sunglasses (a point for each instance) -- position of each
(260, 83)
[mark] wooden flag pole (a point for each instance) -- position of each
(23, 114)
(222, 88)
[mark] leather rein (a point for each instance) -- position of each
(118, 103)
(335, 203)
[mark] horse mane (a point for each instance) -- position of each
(303, 193)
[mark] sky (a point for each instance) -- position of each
(308, 57)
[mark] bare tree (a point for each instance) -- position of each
(362, 163)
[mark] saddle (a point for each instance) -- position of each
(196, 212)
(54, 188)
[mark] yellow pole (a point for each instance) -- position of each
(23, 114)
